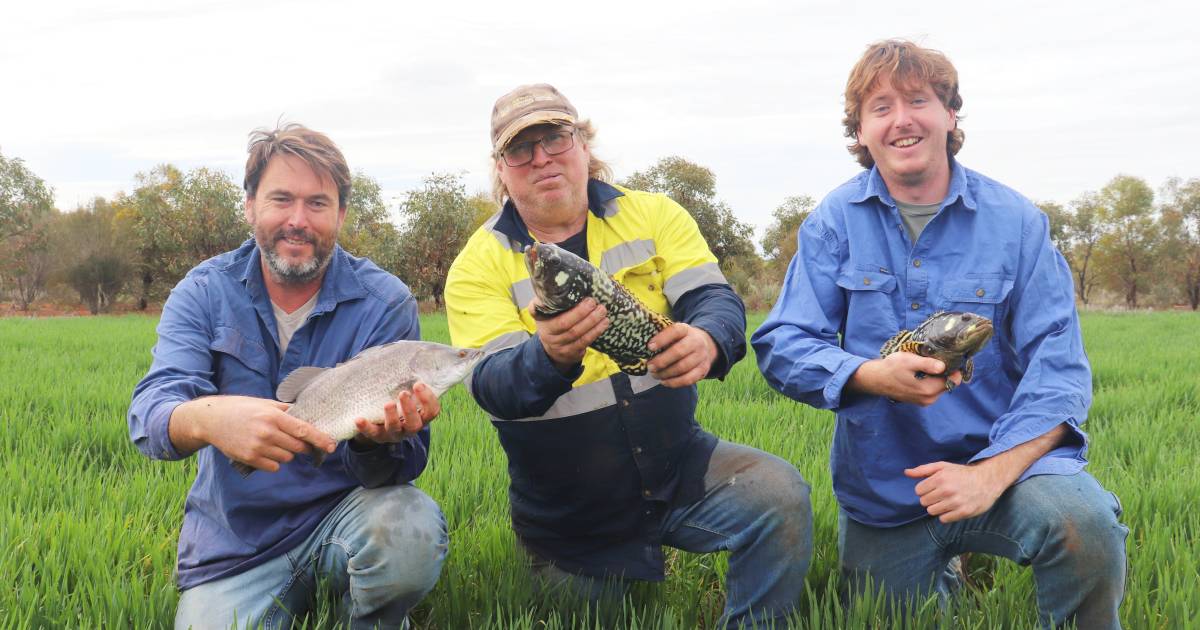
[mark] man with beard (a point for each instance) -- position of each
(252, 548)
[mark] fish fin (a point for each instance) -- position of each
(295, 382)
(318, 456)
(636, 368)
(968, 370)
(403, 386)
(243, 469)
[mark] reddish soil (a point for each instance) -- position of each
(48, 309)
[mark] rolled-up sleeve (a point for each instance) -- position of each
(797, 346)
(181, 370)
(1055, 378)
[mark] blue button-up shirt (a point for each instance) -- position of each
(857, 279)
(217, 335)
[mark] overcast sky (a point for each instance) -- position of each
(1058, 97)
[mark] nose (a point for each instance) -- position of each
(540, 157)
(297, 216)
(903, 116)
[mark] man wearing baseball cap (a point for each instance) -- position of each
(607, 468)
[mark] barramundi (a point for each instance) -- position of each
(331, 399)
(561, 280)
(951, 337)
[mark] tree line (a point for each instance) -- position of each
(1125, 245)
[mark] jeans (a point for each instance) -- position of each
(1065, 526)
(381, 548)
(755, 506)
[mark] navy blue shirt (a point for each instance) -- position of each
(857, 280)
(217, 335)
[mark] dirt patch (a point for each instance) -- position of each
(52, 309)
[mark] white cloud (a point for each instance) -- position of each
(1059, 98)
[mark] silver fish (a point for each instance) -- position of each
(561, 280)
(331, 399)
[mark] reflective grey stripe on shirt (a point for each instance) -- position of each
(642, 383)
(580, 400)
(684, 281)
(507, 340)
(521, 293)
(627, 254)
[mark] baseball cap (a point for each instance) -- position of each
(528, 105)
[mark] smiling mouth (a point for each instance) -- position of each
(905, 142)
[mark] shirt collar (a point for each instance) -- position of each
(511, 225)
(874, 186)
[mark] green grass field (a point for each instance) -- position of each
(88, 526)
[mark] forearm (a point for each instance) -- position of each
(519, 382)
(1005, 468)
(185, 428)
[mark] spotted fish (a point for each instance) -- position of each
(951, 337)
(561, 280)
(331, 399)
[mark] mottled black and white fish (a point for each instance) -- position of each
(331, 399)
(951, 337)
(561, 280)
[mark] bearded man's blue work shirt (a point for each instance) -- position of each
(857, 280)
(217, 335)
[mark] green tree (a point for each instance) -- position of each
(779, 241)
(95, 253)
(1181, 232)
(1126, 212)
(694, 187)
(27, 260)
(24, 199)
(26, 210)
(437, 219)
(178, 220)
(368, 230)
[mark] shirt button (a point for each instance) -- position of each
(637, 450)
(915, 306)
(646, 493)
(866, 281)
(980, 292)
(917, 262)
(624, 403)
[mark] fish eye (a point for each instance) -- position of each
(966, 317)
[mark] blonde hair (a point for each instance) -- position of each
(906, 65)
(597, 168)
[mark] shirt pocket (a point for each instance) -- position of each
(645, 281)
(870, 310)
(985, 295)
(240, 364)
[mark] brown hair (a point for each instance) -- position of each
(314, 147)
(597, 168)
(906, 65)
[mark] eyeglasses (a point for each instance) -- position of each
(553, 143)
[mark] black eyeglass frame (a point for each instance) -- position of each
(505, 153)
